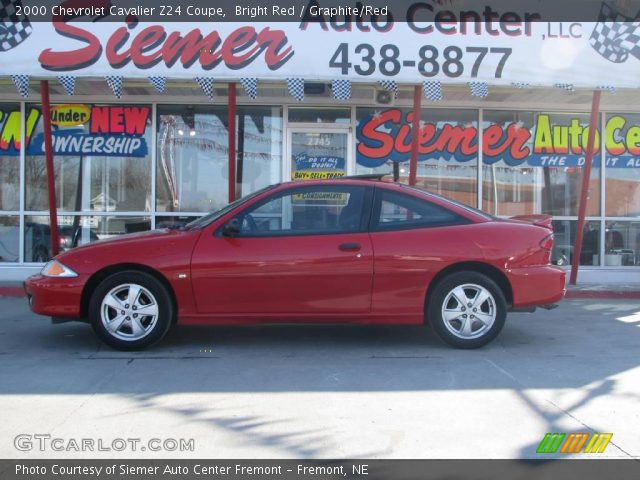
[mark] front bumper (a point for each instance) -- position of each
(537, 286)
(55, 297)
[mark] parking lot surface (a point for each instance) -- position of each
(322, 391)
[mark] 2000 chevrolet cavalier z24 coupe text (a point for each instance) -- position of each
(352, 250)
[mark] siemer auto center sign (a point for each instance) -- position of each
(456, 42)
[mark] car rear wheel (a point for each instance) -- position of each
(467, 309)
(131, 310)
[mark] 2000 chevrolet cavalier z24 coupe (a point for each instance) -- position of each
(352, 250)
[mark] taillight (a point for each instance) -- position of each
(547, 243)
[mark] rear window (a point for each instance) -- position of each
(397, 211)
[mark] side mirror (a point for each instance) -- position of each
(231, 228)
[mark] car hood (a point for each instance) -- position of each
(129, 237)
(159, 249)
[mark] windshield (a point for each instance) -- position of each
(213, 216)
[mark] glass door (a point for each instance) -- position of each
(318, 153)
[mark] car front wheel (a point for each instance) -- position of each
(131, 310)
(467, 309)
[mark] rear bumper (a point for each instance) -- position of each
(537, 286)
(54, 297)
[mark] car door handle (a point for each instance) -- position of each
(350, 247)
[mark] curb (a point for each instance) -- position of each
(603, 294)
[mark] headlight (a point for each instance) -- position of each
(56, 269)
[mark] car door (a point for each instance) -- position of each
(303, 250)
(413, 239)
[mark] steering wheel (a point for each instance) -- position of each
(250, 222)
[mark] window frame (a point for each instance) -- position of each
(374, 221)
(365, 212)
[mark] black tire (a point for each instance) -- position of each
(475, 329)
(153, 297)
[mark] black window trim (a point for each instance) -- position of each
(365, 214)
(374, 225)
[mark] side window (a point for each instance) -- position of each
(396, 211)
(306, 211)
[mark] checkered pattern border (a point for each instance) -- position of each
(22, 84)
(14, 28)
(68, 83)
(390, 86)
(566, 86)
(206, 84)
(296, 88)
(479, 89)
(607, 88)
(115, 84)
(159, 83)
(432, 90)
(341, 89)
(250, 85)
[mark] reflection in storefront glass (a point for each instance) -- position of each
(9, 157)
(622, 175)
(564, 240)
(102, 158)
(74, 231)
(192, 155)
(532, 164)
(622, 244)
(447, 154)
(9, 238)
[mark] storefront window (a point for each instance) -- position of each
(102, 158)
(532, 163)
(192, 155)
(75, 230)
(622, 153)
(565, 238)
(9, 156)
(9, 238)
(258, 148)
(622, 244)
(447, 155)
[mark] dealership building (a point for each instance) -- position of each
(147, 134)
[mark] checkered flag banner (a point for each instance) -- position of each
(250, 85)
(607, 88)
(479, 89)
(115, 84)
(296, 88)
(616, 36)
(206, 84)
(390, 86)
(432, 90)
(68, 83)
(159, 83)
(520, 85)
(14, 28)
(341, 89)
(566, 86)
(22, 84)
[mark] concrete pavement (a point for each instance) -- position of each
(326, 392)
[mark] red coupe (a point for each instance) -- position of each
(352, 250)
